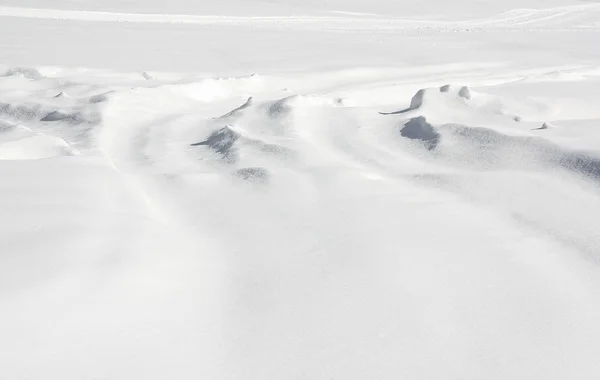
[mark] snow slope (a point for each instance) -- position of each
(299, 190)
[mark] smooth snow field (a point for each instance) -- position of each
(286, 190)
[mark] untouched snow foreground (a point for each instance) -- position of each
(301, 190)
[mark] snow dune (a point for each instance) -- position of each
(293, 202)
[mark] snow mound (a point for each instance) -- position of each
(55, 116)
(20, 112)
(100, 98)
(487, 149)
(237, 110)
(450, 103)
(26, 72)
(61, 94)
(222, 141)
(26, 112)
(229, 141)
(35, 147)
(545, 126)
(284, 106)
(435, 96)
(61, 115)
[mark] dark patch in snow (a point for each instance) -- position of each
(71, 117)
(581, 163)
(419, 129)
(55, 116)
(222, 141)
(491, 149)
(253, 174)
(464, 92)
(22, 112)
(99, 98)
(279, 108)
(543, 127)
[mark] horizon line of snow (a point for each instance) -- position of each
(78, 15)
(510, 18)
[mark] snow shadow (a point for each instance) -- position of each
(485, 148)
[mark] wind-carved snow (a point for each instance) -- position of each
(430, 216)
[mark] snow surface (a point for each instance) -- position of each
(299, 189)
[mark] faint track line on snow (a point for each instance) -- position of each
(584, 17)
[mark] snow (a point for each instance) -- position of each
(299, 189)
